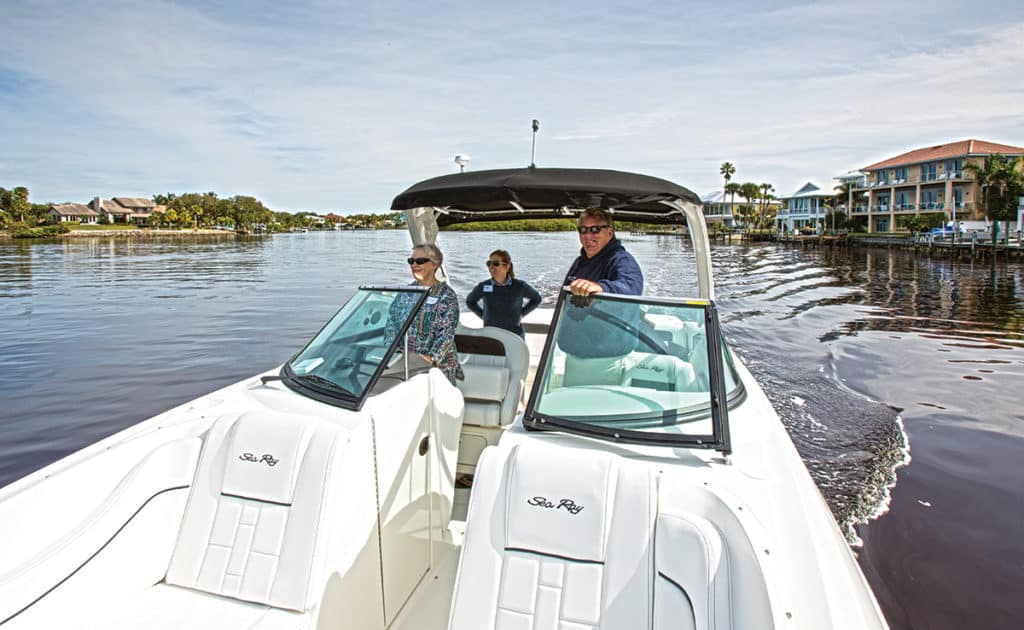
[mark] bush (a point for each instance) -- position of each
(44, 232)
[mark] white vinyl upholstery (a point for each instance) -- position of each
(576, 539)
(495, 372)
(692, 586)
(257, 502)
(164, 607)
(536, 550)
(485, 382)
(661, 372)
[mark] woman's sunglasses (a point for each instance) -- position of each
(592, 229)
(494, 263)
(417, 261)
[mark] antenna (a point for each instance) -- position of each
(533, 148)
(462, 161)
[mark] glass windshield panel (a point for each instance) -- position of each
(631, 365)
(347, 354)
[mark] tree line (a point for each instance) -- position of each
(199, 210)
(15, 207)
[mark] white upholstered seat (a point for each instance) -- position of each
(661, 372)
(539, 531)
(576, 539)
(249, 530)
(248, 552)
(494, 363)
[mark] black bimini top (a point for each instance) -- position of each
(545, 193)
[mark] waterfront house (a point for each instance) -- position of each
(923, 181)
(804, 208)
(718, 208)
(142, 209)
(72, 213)
(135, 210)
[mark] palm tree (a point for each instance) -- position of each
(749, 191)
(1001, 181)
(766, 197)
(727, 170)
(732, 188)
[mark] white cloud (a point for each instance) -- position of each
(333, 106)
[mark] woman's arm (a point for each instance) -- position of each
(473, 300)
(446, 319)
(533, 299)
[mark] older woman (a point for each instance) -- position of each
(432, 332)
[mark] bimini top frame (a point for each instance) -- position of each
(549, 193)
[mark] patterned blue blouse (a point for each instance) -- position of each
(432, 331)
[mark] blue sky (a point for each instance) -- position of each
(336, 106)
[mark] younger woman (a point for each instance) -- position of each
(499, 301)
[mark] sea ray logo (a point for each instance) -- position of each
(567, 504)
(267, 459)
(657, 369)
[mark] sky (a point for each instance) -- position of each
(338, 106)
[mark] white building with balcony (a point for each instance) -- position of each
(719, 208)
(804, 208)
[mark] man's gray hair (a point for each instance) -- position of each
(433, 253)
(600, 213)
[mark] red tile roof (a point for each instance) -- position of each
(944, 151)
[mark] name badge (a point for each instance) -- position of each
(431, 301)
(488, 288)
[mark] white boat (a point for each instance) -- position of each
(645, 483)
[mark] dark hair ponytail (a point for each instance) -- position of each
(505, 258)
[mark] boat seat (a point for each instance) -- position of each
(539, 530)
(578, 539)
(494, 363)
(661, 372)
(247, 552)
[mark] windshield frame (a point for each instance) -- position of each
(719, 399)
(336, 397)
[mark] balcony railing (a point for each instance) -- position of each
(938, 178)
(925, 206)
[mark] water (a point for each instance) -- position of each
(870, 357)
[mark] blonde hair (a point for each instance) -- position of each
(505, 258)
(433, 253)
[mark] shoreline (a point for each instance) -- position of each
(140, 233)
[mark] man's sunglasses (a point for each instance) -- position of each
(494, 263)
(592, 229)
(417, 261)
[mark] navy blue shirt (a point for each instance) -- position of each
(502, 304)
(613, 268)
(616, 271)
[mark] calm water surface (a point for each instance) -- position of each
(887, 369)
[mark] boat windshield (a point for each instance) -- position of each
(635, 369)
(342, 362)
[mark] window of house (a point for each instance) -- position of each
(929, 172)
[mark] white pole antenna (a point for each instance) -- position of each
(533, 148)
